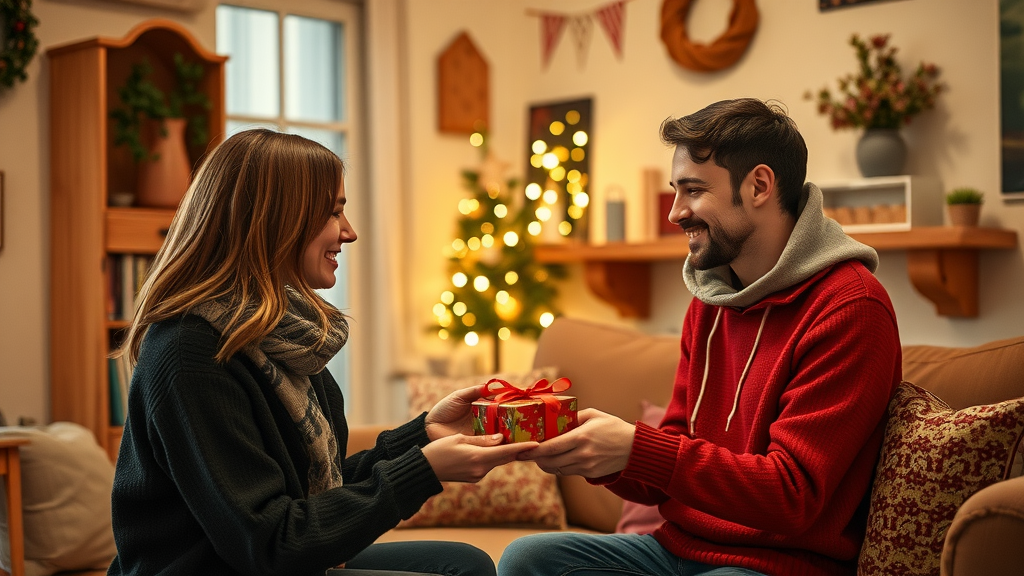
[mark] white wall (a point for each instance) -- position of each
(796, 48)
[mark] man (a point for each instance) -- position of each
(789, 356)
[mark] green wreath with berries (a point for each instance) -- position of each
(18, 43)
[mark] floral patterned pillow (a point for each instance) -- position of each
(518, 493)
(933, 459)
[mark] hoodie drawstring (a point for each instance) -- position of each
(743, 376)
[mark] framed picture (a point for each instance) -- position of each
(559, 141)
(1011, 96)
(824, 5)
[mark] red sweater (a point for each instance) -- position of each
(784, 490)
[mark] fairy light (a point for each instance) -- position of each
(459, 279)
(476, 139)
(533, 228)
(511, 277)
(500, 210)
(511, 238)
(472, 338)
(539, 147)
(580, 138)
(546, 319)
(550, 196)
(533, 191)
(481, 283)
(447, 297)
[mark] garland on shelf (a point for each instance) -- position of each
(18, 43)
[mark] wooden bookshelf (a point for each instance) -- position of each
(85, 169)
(942, 262)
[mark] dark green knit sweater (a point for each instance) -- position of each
(211, 477)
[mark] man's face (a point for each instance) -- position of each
(704, 209)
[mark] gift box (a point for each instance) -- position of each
(537, 413)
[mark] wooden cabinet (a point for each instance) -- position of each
(85, 169)
(942, 262)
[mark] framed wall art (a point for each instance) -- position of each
(1011, 96)
(559, 141)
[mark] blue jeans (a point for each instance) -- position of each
(568, 553)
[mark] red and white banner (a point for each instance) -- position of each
(551, 26)
(611, 16)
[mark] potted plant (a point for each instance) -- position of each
(964, 206)
(880, 100)
(154, 127)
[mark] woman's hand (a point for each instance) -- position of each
(460, 458)
(452, 414)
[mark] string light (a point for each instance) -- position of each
(476, 139)
(539, 147)
(546, 319)
(472, 338)
(580, 138)
(533, 191)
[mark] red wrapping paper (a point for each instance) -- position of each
(535, 414)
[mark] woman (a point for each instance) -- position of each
(233, 454)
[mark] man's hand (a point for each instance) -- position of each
(459, 458)
(599, 446)
(452, 414)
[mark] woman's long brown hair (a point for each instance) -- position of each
(254, 205)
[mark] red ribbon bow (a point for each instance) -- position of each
(541, 390)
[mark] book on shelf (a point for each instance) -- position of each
(125, 275)
(120, 379)
(116, 404)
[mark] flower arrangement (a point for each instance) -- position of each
(878, 96)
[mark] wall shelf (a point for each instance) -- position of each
(942, 262)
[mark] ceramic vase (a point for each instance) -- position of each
(964, 214)
(163, 180)
(881, 152)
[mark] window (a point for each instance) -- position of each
(290, 73)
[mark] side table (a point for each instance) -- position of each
(10, 469)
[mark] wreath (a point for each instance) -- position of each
(723, 52)
(18, 44)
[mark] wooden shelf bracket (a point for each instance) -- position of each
(949, 278)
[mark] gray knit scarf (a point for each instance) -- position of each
(288, 356)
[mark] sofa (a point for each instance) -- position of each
(617, 369)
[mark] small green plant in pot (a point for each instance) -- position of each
(163, 162)
(964, 206)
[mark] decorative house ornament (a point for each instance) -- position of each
(463, 90)
(611, 17)
(725, 51)
(18, 42)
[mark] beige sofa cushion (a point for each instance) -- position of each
(66, 483)
(963, 377)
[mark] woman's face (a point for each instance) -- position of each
(319, 261)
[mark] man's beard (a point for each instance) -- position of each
(720, 247)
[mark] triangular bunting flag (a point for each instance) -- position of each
(581, 27)
(551, 26)
(612, 18)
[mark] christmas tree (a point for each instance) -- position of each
(497, 288)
